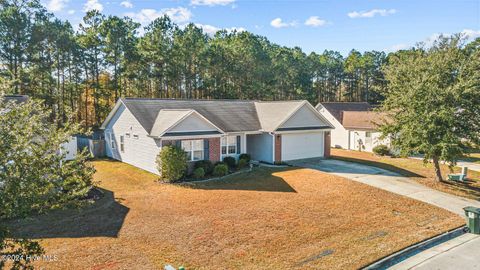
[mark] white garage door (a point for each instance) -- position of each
(302, 145)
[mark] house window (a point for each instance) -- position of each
(193, 149)
(135, 136)
(229, 145)
(112, 141)
(368, 137)
(127, 135)
(122, 144)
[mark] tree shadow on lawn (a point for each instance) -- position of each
(380, 165)
(102, 219)
(259, 179)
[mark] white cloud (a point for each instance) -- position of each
(428, 42)
(71, 11)
(126, 4)
(278, 23)
(211, 30)
(211, 2)
(56, 5)
(91, 5)
(315, 21)
(371, 13)
(147, 15)
(397, 47)
(470, 33)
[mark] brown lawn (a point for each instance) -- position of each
(266, 219)
(416, 170)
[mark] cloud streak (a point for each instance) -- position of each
(212, 30)
(91, 5)
(278, 23)
(178, 15)
(211, 3)
(371, 13)
(315, 21)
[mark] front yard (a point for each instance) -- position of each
(265, 219)
(416, 170)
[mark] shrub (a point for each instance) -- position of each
(220, 170)
(198, 173)
(246, 157)
(172, 163)
(230, 161)
(242, 163)
(381, 150)
(206, 165)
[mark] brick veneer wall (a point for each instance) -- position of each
(278, 148)
(213, 147)
(327, 142)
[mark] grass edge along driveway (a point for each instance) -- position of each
(416, 170)
(288, 218)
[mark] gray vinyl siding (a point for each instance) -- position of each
(141, 152)
(260, 147)
(304, 117)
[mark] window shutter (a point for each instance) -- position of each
(238, 144)
(178, 144)
(206, 150)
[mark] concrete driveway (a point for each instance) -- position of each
(389, 181)
(458, 253)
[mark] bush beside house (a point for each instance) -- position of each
(172, 163)
(381, 150)
(220, 170)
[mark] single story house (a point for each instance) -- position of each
(355, 125)
(270, 131)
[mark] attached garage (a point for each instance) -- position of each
(302, 145)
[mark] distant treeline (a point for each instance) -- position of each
(85, 71)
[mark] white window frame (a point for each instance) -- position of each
(112, 141)
(192, 144)
(224, 143)
(122, 144)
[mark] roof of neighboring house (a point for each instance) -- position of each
(338, 108)
(367, 120)
(16, 98)
(228, 115)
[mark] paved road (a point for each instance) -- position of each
(459, 253)
(471, 166)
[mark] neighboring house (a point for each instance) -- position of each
(69, 148)
(136, 129)
(355, 125)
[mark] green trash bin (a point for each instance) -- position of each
(473, 219)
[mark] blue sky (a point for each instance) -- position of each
(312, 25)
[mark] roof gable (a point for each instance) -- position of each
(166, 119)
(273, 114)
(181, 121)
(305, 116)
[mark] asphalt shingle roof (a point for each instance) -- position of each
(228, 115)
(337, 108)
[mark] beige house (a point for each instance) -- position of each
(356, 125)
